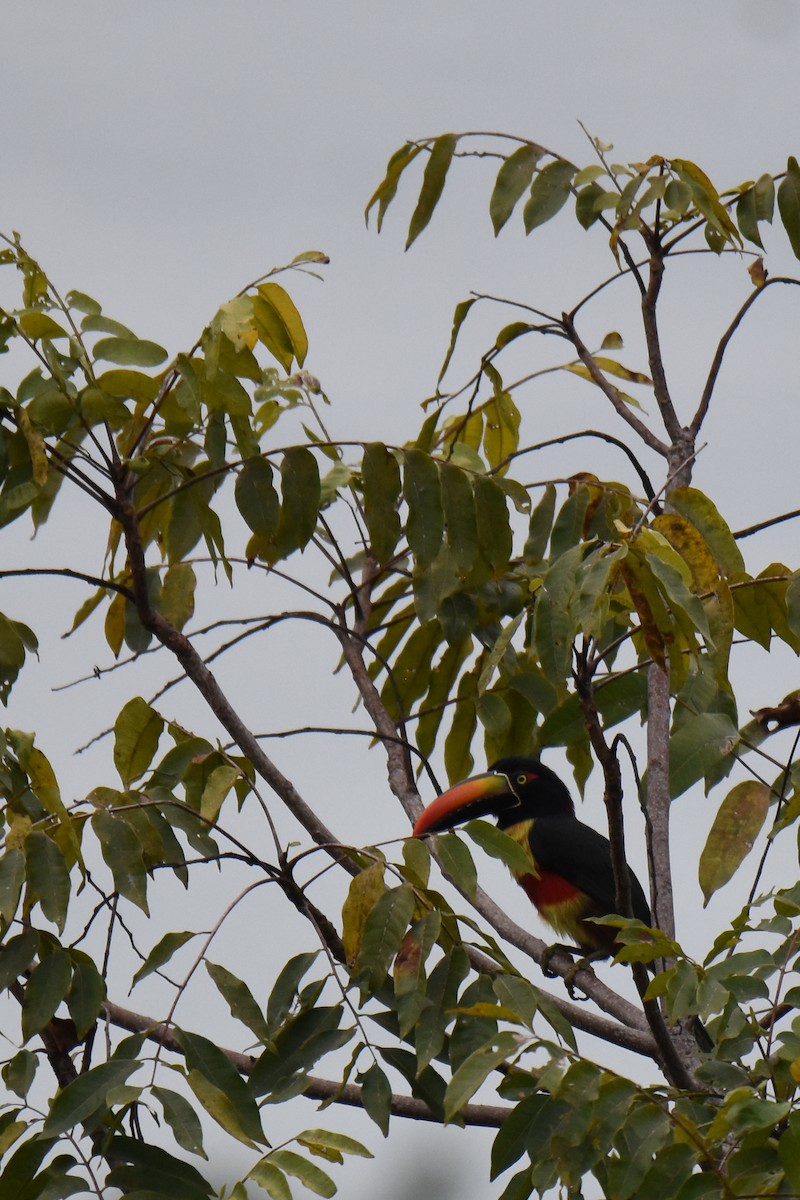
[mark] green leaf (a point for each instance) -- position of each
(512, 1137)
(309, 1174)
(161, 953)
(123, 854)
(364, 892)
(119, 383)
(143, 1171)
(512, 180)
(380, 476)
(385, 925)
(256, 497)
(282, 1070)
(279, 300)
(433, 180)
(228, 1100)
(48, 877)
(36, 325)
(493, 525)
(376, 1096)
(86, 995)
(459, 316)
(541, 523)
(18, 1073)
(737, 824)
(789, 203)
(47, 987)
(549, 193)
(273, 1181)
(697, 747)
(456, 861)
(329, 1139)
(286, 985)
(12, 877)
(182, 1120)
(474, 1070)
(240, 1000)
(130, 352)
(497, 844)
(137, 731)
(697, 508)
(387, 188)
(422, 492)
(301, 495)
(84, 1095)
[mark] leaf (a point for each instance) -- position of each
(697, 508)
(129, 352)
(376, 1096)
(143, 1171)
(364, 892)
(385, 925)
(387, 188)
(474, 1070)
(300, 495)
(456, 862)
(549, 193)
(283, 306)
(459, 316)
(737, 824)
(512, 1137)
(137, 731)
(122, 852)
(380, 476)
(433, 180)
(256, 497)
(513, 178)
(161, 953)
(228, 1099)
(48, 877)
(458, 503)
(48, 985)
(273, 1181)
(309, 1174)
(328, 1138)
(85, 996)
(182, 1120)
(286, 985)
(117, 383)
(706, 198)
(493, 525)
(84, 1095)
(497, 844)
(36, 325)
(422, 492)
(18, 1074)
(789, 203)
(240, 1000)
(12, 877)
(697, 747)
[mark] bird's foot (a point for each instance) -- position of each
(581, 964)
(556, 948)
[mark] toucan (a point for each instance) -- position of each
(571, 877)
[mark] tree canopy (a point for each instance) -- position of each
(475, 614)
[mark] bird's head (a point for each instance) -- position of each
(513, 789)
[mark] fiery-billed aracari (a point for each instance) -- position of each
(571, 876)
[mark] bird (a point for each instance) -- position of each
(571, 877)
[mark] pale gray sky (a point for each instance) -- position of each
(160, 155)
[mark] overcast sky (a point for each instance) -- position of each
(158, 155)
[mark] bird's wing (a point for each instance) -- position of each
(582, 856)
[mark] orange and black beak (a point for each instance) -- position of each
(481, 796)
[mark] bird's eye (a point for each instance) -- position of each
(523, 778)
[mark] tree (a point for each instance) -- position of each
(464, 603)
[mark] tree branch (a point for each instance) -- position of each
(611, 392)
(316, 1089)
